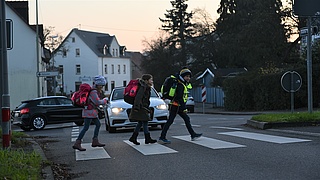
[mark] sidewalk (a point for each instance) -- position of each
(294, 128)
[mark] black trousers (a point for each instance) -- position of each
(173, 111)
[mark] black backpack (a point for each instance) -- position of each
(168, 88)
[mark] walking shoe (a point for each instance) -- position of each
(164, 141)
(196, 136)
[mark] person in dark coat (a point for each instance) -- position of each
(140, 110)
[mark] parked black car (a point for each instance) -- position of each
(37, 113)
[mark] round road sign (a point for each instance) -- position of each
(291, 81)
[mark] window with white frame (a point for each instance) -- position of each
(106, 68)
(73, 39)
(112, 52)
(124, 69)
(118, 68)
(112, 69)
(117, 52)
(78, 69)
(77, 52)
(60, 69)
(64, 52)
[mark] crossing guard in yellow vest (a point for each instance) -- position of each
(178, 106)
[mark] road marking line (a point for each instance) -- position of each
(210, 142)
(193, 125)
(150, 149)
(91, 153)
(264, 137)
(74, 133)
(229, 128)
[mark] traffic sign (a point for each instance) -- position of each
(47, 73)
(291, 81)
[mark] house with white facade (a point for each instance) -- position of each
(85, 54)
(22, 58)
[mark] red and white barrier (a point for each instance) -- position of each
(204, 92)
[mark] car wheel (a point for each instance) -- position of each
(38, 122)
(25, 128)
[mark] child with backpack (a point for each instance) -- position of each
(90, 113)
(178, 105)
(140, 110)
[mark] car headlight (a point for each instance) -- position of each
(117, 110)
(162, 107)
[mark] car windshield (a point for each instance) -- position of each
(118, 94)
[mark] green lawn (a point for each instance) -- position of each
(16, 163)
(288, 117)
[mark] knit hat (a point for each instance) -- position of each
(146, 76)
(185, 72)
(99, 80)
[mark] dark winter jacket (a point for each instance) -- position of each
(140, 109)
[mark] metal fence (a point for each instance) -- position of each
(214, 96)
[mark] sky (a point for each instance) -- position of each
(130, 21)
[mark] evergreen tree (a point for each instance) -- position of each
(177, 23)
(251, 34)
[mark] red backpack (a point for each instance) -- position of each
(130, 91)
(80, 98)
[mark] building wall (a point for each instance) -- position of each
(22, 62)
(87, 61)
(91, 65)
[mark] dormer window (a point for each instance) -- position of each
(117, 52)
(112, 52)
(105, 49)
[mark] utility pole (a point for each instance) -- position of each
(5, 100)
(37, 44)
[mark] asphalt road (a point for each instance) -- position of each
(227, 150)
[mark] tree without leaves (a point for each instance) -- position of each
(158, 61)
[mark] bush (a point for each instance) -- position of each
(253, 91)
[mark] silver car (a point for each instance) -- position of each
(117, 111)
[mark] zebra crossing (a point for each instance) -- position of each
(208, 142)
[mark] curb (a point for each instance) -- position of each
(266, 125)
(46, 170)
(259, 125)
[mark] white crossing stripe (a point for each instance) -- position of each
(228, 128)
(264, 137)
(150, 149)
(74, 133)
(210, 142)
(91, 153)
